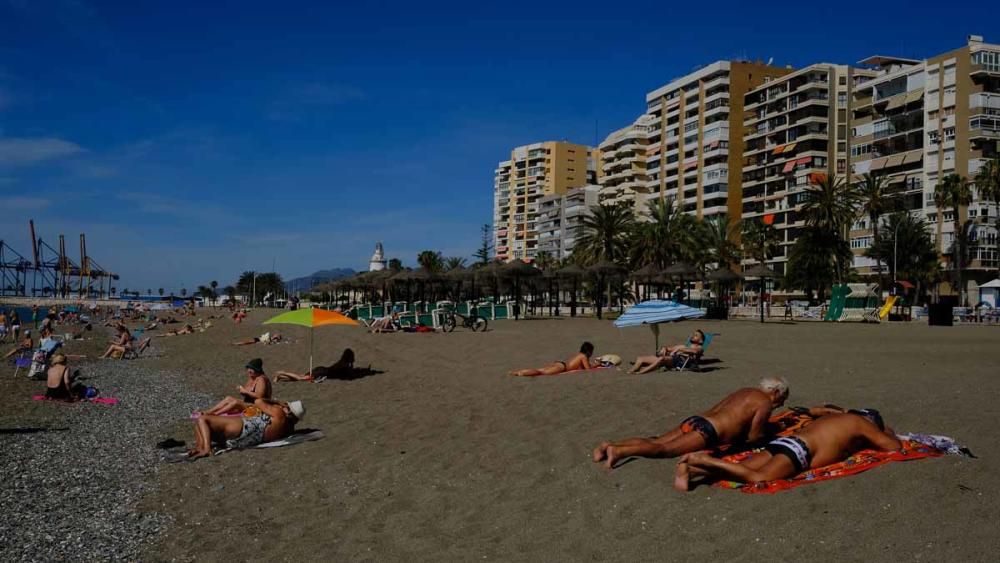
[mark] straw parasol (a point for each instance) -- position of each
(574, 273)
(603, 270)
(646, 275)
(518, 269)
(679, 270)
(763, 272)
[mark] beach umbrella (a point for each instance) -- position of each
(574, 273)
(518, 269)
(654, 312)
(491, 271)
(312, 318)
(680, 270)
(763, 272)
(645, 274)
(458, 275)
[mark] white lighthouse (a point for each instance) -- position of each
(378, 259)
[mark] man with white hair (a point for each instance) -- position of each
(266, 421)
(739, 418)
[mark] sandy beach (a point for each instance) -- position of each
(443, 457)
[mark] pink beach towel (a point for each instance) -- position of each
(97, 400)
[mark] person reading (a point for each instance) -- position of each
(666, 354)
(829, 439)
(265, 421)
(578, 362)
(739, 418)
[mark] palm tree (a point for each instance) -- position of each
(149, 292)
(230, 292)
(604, 233)
(430, 260)
(988, 184)
(914, 257)
(717, 239)
(214, 284)
(666, 237)
(874, 203)
(544, 260)
(758, 241)
(184, 292)
(395, 264)
(829, 205)
(160, 291)
(454, 262)
(953, 191)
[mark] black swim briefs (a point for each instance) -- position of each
(702, 426)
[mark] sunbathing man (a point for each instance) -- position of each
(665, 355)
(580, 361)
(343, 369)
(258, 386)
(829, 439)
(186, 329)
(739, 418)
(266, 338)
(267, 421)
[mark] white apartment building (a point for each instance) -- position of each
(559, 219)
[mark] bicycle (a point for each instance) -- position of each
(473, 322)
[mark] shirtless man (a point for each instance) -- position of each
(740, 417)
(580, 361)
(269, 421)
(831, 438)
(258, 386)
(665, 355)
(23, 346)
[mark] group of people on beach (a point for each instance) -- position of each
(741, 419)
(246, 421)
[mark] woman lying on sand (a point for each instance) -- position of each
(580, 361)
(266, 338)
(343, 369)
(186, 329)
(257, 386)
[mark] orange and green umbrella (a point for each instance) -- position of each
(312, 318)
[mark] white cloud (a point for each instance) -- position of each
(24, 151)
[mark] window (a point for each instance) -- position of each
(949, 134)
(842, 81)
(842, 99)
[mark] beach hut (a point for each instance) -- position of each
(989, 293)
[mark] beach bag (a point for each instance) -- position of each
(39, 363)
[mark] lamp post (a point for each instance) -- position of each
(895, 245)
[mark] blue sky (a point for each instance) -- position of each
(193, 140)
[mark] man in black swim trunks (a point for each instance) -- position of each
(830, 439)
(741, 417)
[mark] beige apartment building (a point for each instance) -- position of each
(795, 129)
(917, 121)
(695, 143)
(532, 172)
(623, 177)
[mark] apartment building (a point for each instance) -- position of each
(695, 142)
(623, 177)
(560, 218)
(795, 129)
(532, 172)
(917, 121)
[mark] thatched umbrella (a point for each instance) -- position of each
(680, 270)
(458, 275)
(491, 272)
(763, 272)
(399, 279)
(645, 275)
(603, 270)
(574, 273)
(551, 276)
(518, 269)
(423, 276)
(723, 276)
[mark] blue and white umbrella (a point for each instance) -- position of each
(654, 312)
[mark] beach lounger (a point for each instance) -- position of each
(692, 362)
(22, 360)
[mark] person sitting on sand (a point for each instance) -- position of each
(266, 338)
(24, 345)
(739, 418)
(59, 385)
(265, 421)
(829, 439)
(578, 362)
(388, 323)
(665, 355)
(343, 369)
(120, 343)
(257, 386)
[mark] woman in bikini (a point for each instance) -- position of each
(343, 369)
(580, 361)
(257, 386)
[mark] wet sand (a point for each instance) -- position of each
(443, 457)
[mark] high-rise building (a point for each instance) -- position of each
(916, 122)
(532, 172)
(622, 168)
(560, 218)
(696, 138)
(795, 129)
